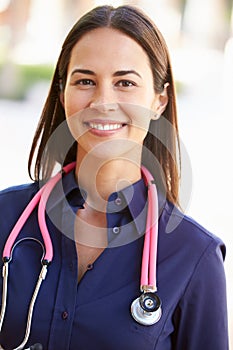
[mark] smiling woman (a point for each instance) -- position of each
(97, 93)
(111, 113)
(130, 33)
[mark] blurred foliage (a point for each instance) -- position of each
(16, 80)
(180, 87)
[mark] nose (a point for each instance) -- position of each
(104, 100)
(104, 107)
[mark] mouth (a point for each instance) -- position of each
(104, 127)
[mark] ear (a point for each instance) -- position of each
(160, 102)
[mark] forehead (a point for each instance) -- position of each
(108, 44)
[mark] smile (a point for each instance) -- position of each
(105, 126)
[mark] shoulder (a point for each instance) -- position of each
(22, 192)
(188, 235)
(13, 200)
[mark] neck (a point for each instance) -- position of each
(99, 177)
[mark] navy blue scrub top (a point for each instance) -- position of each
(95, 313)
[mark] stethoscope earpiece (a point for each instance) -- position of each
(146, 309)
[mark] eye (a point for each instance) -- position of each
(126, 83)
(84, 82)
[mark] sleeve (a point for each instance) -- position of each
(201, 316)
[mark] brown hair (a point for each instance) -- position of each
(161, 141)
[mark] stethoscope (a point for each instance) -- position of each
(146, 309)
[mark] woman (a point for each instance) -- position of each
(113, 91)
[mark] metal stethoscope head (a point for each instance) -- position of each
(146, 309)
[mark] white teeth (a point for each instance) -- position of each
(105, 127)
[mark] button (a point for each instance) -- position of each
(118, 201)
(90, 266)
(64, 315)
(116, 230)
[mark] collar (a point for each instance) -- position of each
(66, 188)
(132, 198)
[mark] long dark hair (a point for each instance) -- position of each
(161, 141)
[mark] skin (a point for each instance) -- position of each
(108, 90)
(108, 76)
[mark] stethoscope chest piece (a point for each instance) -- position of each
(146, 309)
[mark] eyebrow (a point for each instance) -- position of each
(125, 72)
(83, 71)
(116, 74)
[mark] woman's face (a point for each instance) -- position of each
(109, 94)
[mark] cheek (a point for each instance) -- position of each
(73, 103)
(138, 134)
(139, 115)
(69, 105)
(74, 121)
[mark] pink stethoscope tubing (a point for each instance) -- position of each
(146, 309)
(39, 199)
(148, 269)
(149, 257)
